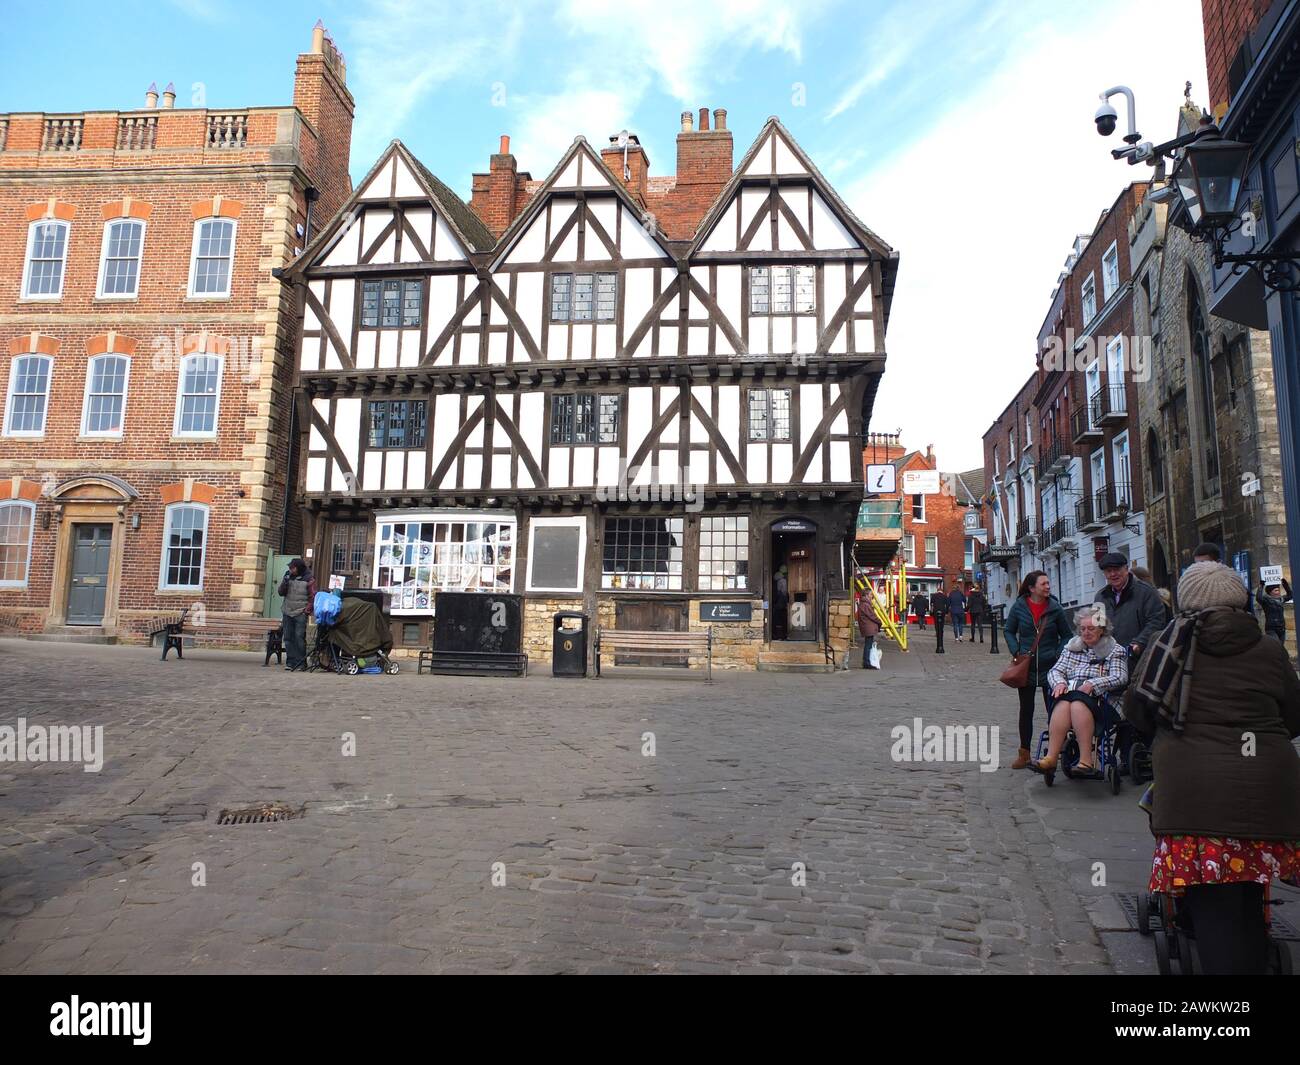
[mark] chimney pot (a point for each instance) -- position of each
(169, 95)
(505, 144)
(688, 121)
(704, 119)
(719, 118)
(151, 95)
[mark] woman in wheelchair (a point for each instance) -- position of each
(1091, 665)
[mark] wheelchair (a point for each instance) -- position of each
(1120, 752)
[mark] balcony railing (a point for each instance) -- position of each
(1104, 505)
(62, 134)
(1052, 456)
(1109, 404)
(1083, 427)
(137, 133)
(227, 131)
(1060, 529)
(1023, 530)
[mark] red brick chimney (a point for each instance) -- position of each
(638, 165)
(320, 92)
(499, 196)
(704, 163)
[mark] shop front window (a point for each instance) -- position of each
(416, 557)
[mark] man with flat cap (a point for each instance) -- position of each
(1135, 609)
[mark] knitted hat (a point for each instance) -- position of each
(1210, 584)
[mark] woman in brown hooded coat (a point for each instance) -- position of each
(1226, 815)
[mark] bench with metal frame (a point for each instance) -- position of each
(647, 644)
(472, 663)
(176, 628)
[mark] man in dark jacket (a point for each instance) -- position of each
(919, 606)
(1135, 609)
(957, 610)
(938, 607)
(978, 607)
(297, 589)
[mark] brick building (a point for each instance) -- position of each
(935, 544)
(1009, 460)
(143, 351)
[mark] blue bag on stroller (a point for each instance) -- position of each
(326, 607)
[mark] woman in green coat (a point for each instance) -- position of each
(1035, 605)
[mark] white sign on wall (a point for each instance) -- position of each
(882, 478)
(1270, 574)
(921, 482)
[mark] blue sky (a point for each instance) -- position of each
(960, 131)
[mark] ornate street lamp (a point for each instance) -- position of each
(1207, 179)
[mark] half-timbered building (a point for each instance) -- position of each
(575, 406)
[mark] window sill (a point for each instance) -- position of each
(134, 298)
(212, 439)
(191, 298)
(39, 299)
(24, 436)
(99, 438)
(175, 592)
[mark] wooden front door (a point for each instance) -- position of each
(802, 577)
(89, 585)
(652, 615)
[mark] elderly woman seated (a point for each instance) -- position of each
(1091, 665)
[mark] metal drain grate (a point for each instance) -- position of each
(1280, 927)
(263, 813)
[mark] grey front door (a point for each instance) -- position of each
(90, 547)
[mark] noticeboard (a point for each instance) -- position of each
(727, 611)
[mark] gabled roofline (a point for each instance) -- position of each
(842, 210)
(507, 241)
(867, 237)
(331, 230)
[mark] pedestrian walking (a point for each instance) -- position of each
(1036, 626)
(297, 589)
(957, 608)
(1136, 611)
(919, 607)
(938, 610)
(1091, 665)
(1223, 704)
(978, 605)
(868, 625)
(1272, 602)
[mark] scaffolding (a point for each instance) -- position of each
(890, 603)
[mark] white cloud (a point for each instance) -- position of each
(984, 205)
(401, 51)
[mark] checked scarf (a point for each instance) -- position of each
(1163, 683)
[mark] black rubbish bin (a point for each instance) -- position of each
(569, 645)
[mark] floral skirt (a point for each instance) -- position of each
(1182, 861)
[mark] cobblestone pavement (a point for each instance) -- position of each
(684, 861)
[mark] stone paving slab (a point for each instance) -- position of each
(515, 825)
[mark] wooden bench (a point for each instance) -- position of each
(646, 644)
(176, 628)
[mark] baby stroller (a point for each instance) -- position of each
(351, 637)
(1114, 736)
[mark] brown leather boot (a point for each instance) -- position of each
(1022, 759)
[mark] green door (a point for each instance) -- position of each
(276, 565)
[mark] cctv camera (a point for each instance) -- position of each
(1106, 119)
